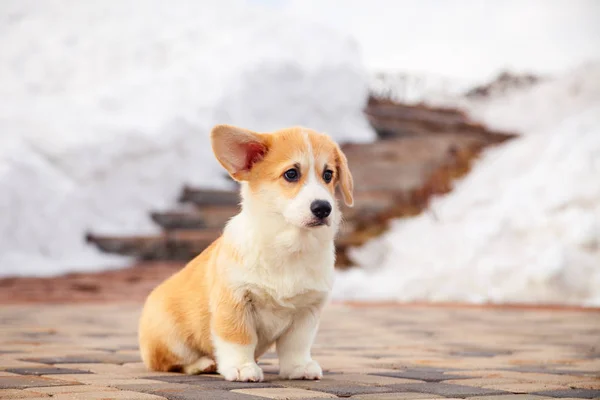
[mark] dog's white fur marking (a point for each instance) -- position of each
(236, 362)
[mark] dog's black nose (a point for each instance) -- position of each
(320, 208)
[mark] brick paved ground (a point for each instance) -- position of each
(90, 352)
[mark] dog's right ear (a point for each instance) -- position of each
(237, 149)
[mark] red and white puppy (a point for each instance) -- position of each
(266, 279)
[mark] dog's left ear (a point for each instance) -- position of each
(345, 177)
(237, 149)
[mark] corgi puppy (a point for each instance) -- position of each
(266, 279)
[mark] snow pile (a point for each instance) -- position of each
(523, 226)
(105, 110)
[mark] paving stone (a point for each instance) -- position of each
(18, 394)
(422, 375)
(285, 393)
(188, 379)
(338, 388)
(154, 387)
(45, 371)
(397, 396)
(107, 395)
(214, 382)
(377, 380)
(586, 385)
(198, 393)
(571, 393)
(21, 382)
(7, 364)
(482, 382)
(54, 390)
(445, 389)
(111, 358)
(509, 397)
(65, 360)
(401, 353)
(518, 387)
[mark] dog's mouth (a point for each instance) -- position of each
(318, 222)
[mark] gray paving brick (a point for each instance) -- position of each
(201, 394)
(45, 371)
(22, 382)
(338, 388)
(444, 389)
(427, 375)
(572, 393)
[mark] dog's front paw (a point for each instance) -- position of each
(310, 371)
(244, 373)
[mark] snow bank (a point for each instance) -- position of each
(523, 226)
(105, 110)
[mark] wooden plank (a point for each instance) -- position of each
(208, 197)
(178, 219)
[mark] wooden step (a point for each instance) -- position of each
(204, 217)
(171, 245)
(178, 219)
(393, 120)
(206, 197)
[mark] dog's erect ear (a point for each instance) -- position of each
(345, 177)
(237, 149)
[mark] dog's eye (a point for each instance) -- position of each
(327, 176)
(291, 175)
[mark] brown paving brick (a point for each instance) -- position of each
(572, 393)
(107, 395)
(21, 382)
(18, 394)
(519, 387)
(483, 382)
(54, 390)
(445, 389)
(8, 363)
(285, 393)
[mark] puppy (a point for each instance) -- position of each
(266, 279)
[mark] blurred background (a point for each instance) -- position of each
(472, 129)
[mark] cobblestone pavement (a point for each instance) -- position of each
(90, 352)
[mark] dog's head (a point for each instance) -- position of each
(290, 173)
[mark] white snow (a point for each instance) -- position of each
(105, 110)
(465, 41)
(523, 226)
